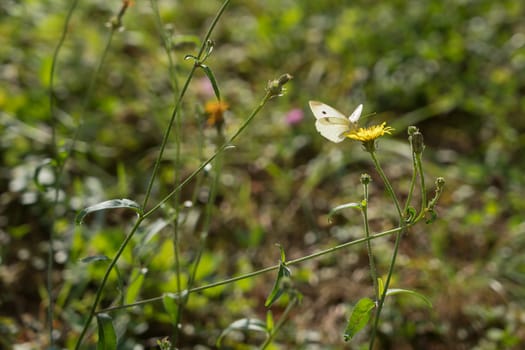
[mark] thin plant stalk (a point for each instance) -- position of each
(179, 100)
(412, 182)
(98, 295)
(166, 40)
(364, 212)
(150, 184)
(224, 146)
(282, 320)
(424, 203)
(204, 235)
(265, 99)
(402, 226)
(61, 160)
(57, 173)
(207, 218)
(261, 271)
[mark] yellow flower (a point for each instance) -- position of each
(215, 111)
(369, 134)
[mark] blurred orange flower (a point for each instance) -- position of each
(215, 111)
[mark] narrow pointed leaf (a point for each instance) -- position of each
(244, 324)
(277, 290)
(213, 81)
(107, 338)
(283, 255)
(188, 56)
(395, 291)
(111, 204)
(94, 258)
(359, 317)
(341, 207)
(133, 290)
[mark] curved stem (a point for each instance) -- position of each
(402, 226)
(261, 271)
(210, 159)
(177, 104)
(105, 279)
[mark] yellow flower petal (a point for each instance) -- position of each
(370, 133)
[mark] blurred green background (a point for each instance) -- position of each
(453, 68)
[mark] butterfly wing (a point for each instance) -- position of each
(356, 114)
(330, 123)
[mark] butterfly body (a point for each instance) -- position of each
(333, 124)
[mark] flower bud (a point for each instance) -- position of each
(365, 179)
(412, 129)
(275, 87)
(283, 79)
(418, 145)
(440, 182)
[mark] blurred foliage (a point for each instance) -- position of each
(454, 68)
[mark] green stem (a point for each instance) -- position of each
(104, 280)
(206, 224)
(412, 182)
(261, 271)
(166, 137)
(61, 161)
(210, 159)
(402, 227)
(166, 40)
(204, 236)
(373, 270)
(177, 104)
(279, 324)
(57, 172)
(424, 203)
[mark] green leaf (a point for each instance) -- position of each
(171, 305)
(396, 291)
(133, 290)
(111, 204)
(213, 82)
(359, 317)
(107, 338)
(244, 324)
(283, 275)
(341, 207)
(93, 258)
(210, 44)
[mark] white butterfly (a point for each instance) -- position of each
(333, 124)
